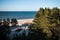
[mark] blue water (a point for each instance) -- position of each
(17, 14)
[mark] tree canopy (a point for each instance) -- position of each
(48, 19)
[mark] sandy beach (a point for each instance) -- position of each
(22, 21)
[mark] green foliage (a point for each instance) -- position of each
(5, 22)
(0, 22)
(14, 22)
(8, 20)
(48, 19)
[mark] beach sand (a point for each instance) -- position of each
(22, 21)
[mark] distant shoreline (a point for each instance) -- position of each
(22, 21)
(25, 18)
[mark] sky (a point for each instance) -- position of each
(27, 5)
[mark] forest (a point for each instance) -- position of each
(48, 20)
(45, 26)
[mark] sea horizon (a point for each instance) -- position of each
(17, 14)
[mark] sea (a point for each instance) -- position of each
(17, 14)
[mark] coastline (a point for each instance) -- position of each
(22, 21)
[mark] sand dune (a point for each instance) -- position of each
(22, 21)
